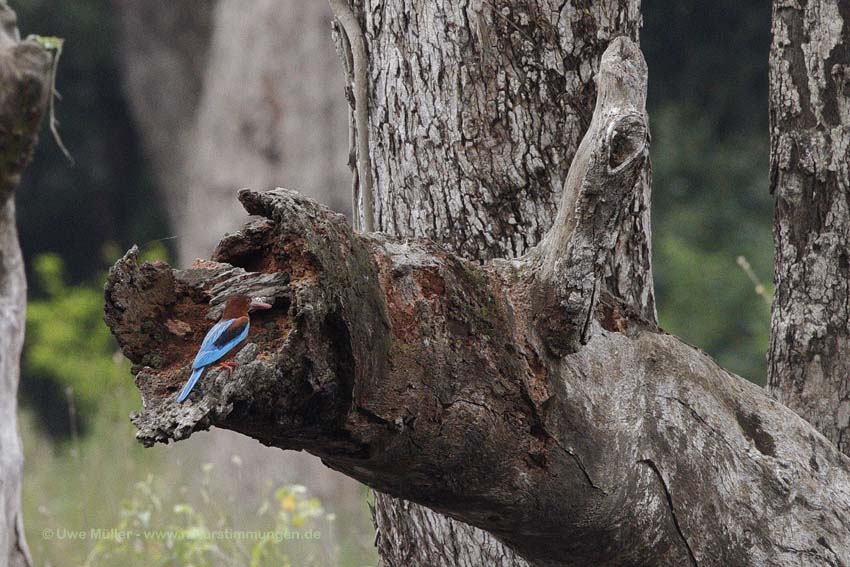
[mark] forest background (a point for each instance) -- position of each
(712, 258)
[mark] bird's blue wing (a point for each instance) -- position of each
(214, 333)
(220, 340)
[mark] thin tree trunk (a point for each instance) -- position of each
(809, 359)
(24, 90)
(13, 547)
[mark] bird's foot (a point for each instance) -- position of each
(229, 365)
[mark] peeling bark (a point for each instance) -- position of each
(809, 359)
(430, 378)
(24, 90)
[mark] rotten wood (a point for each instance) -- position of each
(423, 376)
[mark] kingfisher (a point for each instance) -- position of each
(225, 339)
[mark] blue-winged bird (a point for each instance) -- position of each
(224, 340)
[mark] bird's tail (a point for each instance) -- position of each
(193, 379)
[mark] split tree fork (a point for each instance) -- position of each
(521, 397)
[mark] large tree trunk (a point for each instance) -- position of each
(24, 91)
(519, 396)
(165, 49)
(475, 112)
(230, 94)
(809, 359)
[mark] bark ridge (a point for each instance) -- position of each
(809, 356)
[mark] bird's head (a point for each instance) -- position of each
(241, 305)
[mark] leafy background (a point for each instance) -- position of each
(711, 205)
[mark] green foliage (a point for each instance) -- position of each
(49, 42)
(70, 359)
(68, 349)
(104, 500)
(711, 204)
(105, 482)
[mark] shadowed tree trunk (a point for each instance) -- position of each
(522, 397)
(272, 110)
(809, 359)
(165, 49)
(24, 91)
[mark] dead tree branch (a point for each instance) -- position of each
(514, 396)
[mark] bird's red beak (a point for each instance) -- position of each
(258, 305)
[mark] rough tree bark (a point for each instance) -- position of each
(24, 91)
(475, 112)
(519, 396)
(809, 359)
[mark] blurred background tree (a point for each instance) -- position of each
(708, 110)
(82, 461)
(108, 197)
(711, 202)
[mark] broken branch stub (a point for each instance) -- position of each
(422, 375)
(378, 356)
(160, 315)
(604, 174)
(24, 92)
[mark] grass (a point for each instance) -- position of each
(103, 500)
